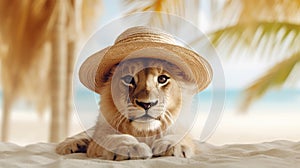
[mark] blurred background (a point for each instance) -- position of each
(256, 41)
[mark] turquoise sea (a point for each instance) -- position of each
(275, 100)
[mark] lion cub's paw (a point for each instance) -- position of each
(127, 152)
(123, 152)
(163, 147)
(72, 146)
(94, 150)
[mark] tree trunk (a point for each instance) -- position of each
(5, 116)
(69, 96)
(57, 74)
(75, 21)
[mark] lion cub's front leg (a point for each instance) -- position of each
(75, 144)
(119, 147)
(169, 146)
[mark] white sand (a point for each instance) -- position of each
(278, 154)
(256, 128)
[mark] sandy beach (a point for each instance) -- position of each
(277, 154)
(27, 128)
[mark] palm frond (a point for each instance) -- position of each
(262, 10)
(272, 41)
(176, 6)
(267, 40)
(275, 77)
(24, 32)
(266, 30)
(186, 9)
(91, 11)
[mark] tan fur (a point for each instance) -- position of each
(120, 132)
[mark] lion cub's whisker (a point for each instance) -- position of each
(169, 116)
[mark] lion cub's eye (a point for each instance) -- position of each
(162, 79)
(128, 79)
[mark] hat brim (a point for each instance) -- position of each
(94, 70)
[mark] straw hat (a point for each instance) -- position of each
(144, 42)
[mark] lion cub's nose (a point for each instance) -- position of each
(146, 106)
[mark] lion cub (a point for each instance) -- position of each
(139, 105)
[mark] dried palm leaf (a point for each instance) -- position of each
(25, 29)
(186, 9)
(26, 32)
(243, 11)
(270, 40)
(275, 41)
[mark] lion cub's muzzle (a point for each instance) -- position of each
(146, 106)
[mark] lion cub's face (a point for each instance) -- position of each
(146, 95)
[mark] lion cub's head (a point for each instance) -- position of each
(142, 97)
